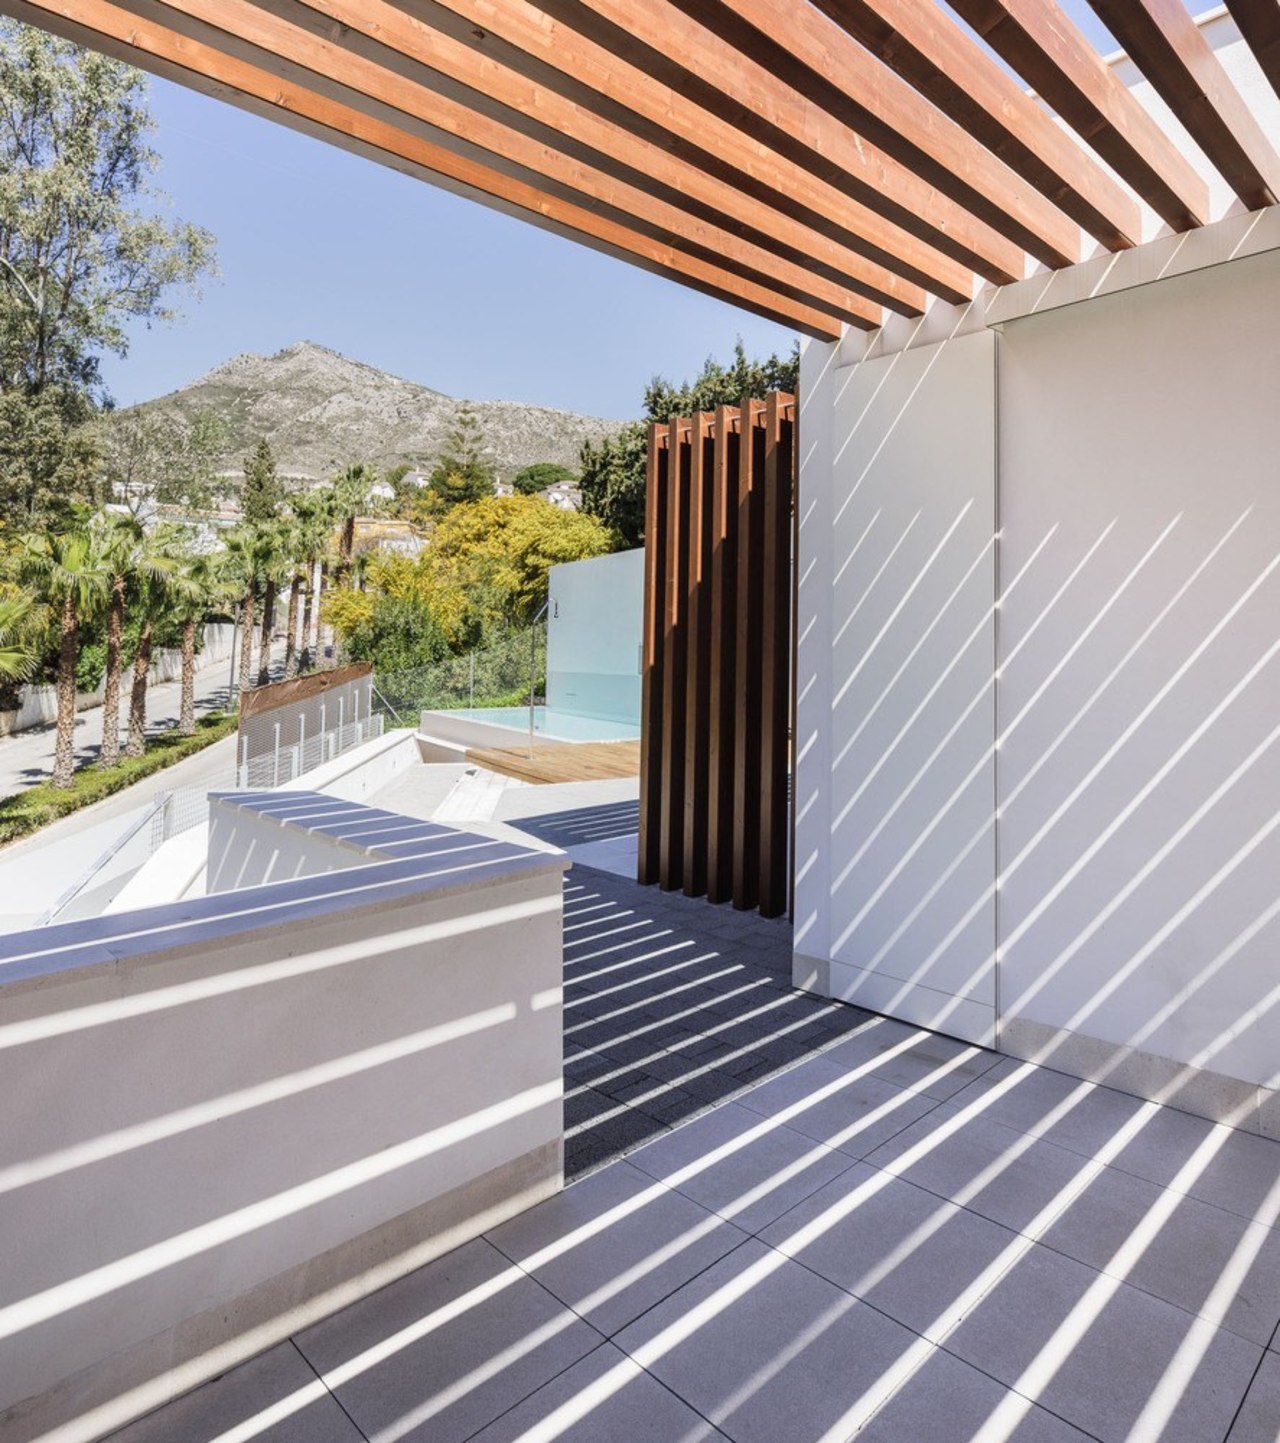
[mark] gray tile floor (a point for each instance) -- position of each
(672, 1006)
(902, 1240)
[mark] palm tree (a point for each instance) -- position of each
(158, 579)
(68, 570)
(314, 515)
(205, 584)
(120, 538)
(18, 656)
(351, 497)
(245, 558)
(295, 553)
(277, 554)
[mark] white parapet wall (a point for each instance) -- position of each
(228, 1117)
(363, 770)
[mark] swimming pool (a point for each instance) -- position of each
(548, 722)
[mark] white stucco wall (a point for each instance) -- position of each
(899, 747)
(1139, 778)
(228, 1117)
(1130, 775)
(594, 623)
(1130, 905)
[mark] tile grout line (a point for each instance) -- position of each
(547, 1382)
(1058, 1252)
(1244, 1396)
(329, 1391)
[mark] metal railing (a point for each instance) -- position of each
(178, 809)
(99, 863)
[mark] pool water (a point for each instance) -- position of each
(565, 726)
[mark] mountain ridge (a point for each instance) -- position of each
(322, 410)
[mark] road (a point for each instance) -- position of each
(27, 758)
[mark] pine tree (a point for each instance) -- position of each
(464, 469)
(261, 492)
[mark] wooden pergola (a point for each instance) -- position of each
(819, 162)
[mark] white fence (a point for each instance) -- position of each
(38, 705)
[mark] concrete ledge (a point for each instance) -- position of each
(150, 1374)
(454, 729)
(363, 770)
(1214, 1095)
(811, 974)
(912, 1002)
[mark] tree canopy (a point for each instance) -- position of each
(84, 251)
(261, 493)
(613, 470)
(484, 572)
(150, 457)
(540, 476)
(81, 251)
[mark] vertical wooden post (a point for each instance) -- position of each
(652, 739)
(747, 677)
(724, 635)
(775, 649)
(699, 659)
(674, 659)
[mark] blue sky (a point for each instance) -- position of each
(320, 245)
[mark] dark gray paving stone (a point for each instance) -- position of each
(442, 1352)
(1064, 1110)
(938, 1066)
(1178, 1248)
(1259, 1417)
(1234, 1170)
(1102, 1355)
(947, 1401)
(818, 1099)
(605, 1398)
(739, 1165)
(993, 1170)
(616, 1243)
(907, 1252)
(766, 1349)
(1242, 1172)
(276, 1380)
(723, 1019)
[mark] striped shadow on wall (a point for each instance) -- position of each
(716, 707)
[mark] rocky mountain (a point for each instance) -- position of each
(322, 411)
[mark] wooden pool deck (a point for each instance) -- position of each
(562, 762)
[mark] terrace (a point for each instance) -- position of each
(901, 1237)
(984, 1145)
(787, 1218)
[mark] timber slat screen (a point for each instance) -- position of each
(715, 753)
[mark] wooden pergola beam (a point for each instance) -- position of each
(103, 26)
(261, 39)
(513, 49)
(936, 56)
(370, 33)
(1166, 44)
(808, 51)
(1259, 22)
(1038, 40)
(572, 45)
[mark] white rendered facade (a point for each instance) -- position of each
(1038, 785)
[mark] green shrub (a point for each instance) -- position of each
(36, 807)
